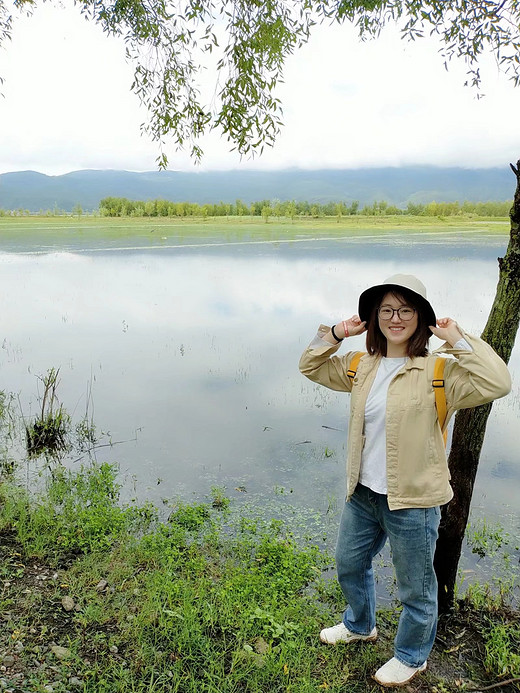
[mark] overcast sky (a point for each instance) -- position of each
(67, 105)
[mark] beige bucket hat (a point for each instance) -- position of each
(397, 282)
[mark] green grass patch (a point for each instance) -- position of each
(78, 512)
(45, 234)
(112, 599)
(502, 649)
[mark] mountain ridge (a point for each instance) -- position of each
(34, 191)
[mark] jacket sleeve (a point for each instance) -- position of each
(474, 377)
(319, 364)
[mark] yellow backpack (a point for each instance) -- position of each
(437, 384)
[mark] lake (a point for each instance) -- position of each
(186, 355)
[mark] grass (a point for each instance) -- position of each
(72, 233)
(209, 600)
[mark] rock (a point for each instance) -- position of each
(102, 585)
(114, 649)
(8, 660)
(251, 655)
(48, 688)
(75, 682)
(261, 646)
(18, 647)
(60, 652)
(68, 603)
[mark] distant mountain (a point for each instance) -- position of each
(398, 186)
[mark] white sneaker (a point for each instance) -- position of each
(341, 633)
(395, 673)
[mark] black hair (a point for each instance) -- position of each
(418, 342)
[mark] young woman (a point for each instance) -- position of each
(397, 474)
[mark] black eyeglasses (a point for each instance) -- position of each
(405, 313)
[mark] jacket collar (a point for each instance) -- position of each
(416, 362)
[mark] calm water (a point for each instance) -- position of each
(191, 355)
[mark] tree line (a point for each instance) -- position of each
(123, 207)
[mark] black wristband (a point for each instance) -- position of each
(334, 334)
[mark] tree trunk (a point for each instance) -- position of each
(470, 424)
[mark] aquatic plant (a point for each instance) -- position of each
(47, 434)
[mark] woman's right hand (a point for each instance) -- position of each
(350, 327)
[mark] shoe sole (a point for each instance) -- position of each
(399, 685)
(369, 638)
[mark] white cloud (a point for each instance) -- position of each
(68, 105)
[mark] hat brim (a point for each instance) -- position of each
(371, 296)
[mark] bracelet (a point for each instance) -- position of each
(334, 334)
(345, 327)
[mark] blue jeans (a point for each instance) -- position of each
(366, 522)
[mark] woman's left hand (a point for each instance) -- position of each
(447, 329)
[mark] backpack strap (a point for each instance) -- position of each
(440, 394)
(354, 364)
(437, 384)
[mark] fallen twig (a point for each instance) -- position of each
(111, 444)
(499, 684)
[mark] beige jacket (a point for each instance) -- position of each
(416, 465)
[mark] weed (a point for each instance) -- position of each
(190, 517)
(271, 628)
(79, 511)
(220, 500)
(48, 433)
(332, 504)
(480, 595)
(485, 539)
(86, 435)
(7, 430)
(502, 647)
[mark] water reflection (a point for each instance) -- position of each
(192, 355)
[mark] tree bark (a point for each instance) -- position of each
(470, 424)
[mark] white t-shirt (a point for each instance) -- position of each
(373, 459)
